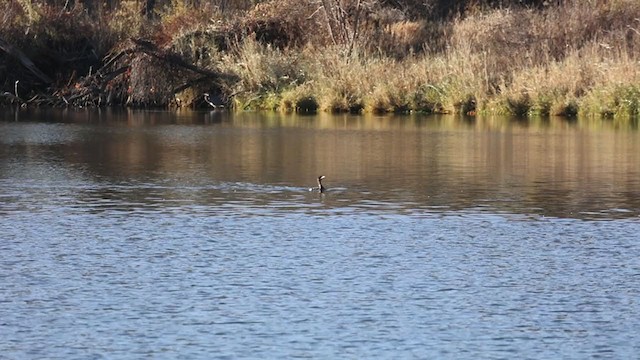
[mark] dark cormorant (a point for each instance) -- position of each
(320, 187)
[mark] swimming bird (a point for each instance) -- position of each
(320, 187)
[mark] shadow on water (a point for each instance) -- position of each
(410, 164)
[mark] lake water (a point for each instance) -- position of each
(193, 235)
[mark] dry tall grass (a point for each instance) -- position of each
(576, 58)
(553, 61)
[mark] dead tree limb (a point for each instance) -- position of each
(26, 62)
(152, 50)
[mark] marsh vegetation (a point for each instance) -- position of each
(524, 58)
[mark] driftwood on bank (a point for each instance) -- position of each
(111, 82)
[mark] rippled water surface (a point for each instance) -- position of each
(194, 235)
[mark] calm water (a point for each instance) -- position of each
(160, 235)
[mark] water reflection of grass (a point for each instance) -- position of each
(548, 167)
(423, 122)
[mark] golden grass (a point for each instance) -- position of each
(265, 74)
(576, 59)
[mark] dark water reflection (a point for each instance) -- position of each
(154, 234)
(554, 168)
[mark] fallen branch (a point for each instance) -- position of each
(104, 79)
(26, 62)
(152, 50)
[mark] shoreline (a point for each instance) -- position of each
(571, 60)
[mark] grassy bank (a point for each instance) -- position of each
(576, 58)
